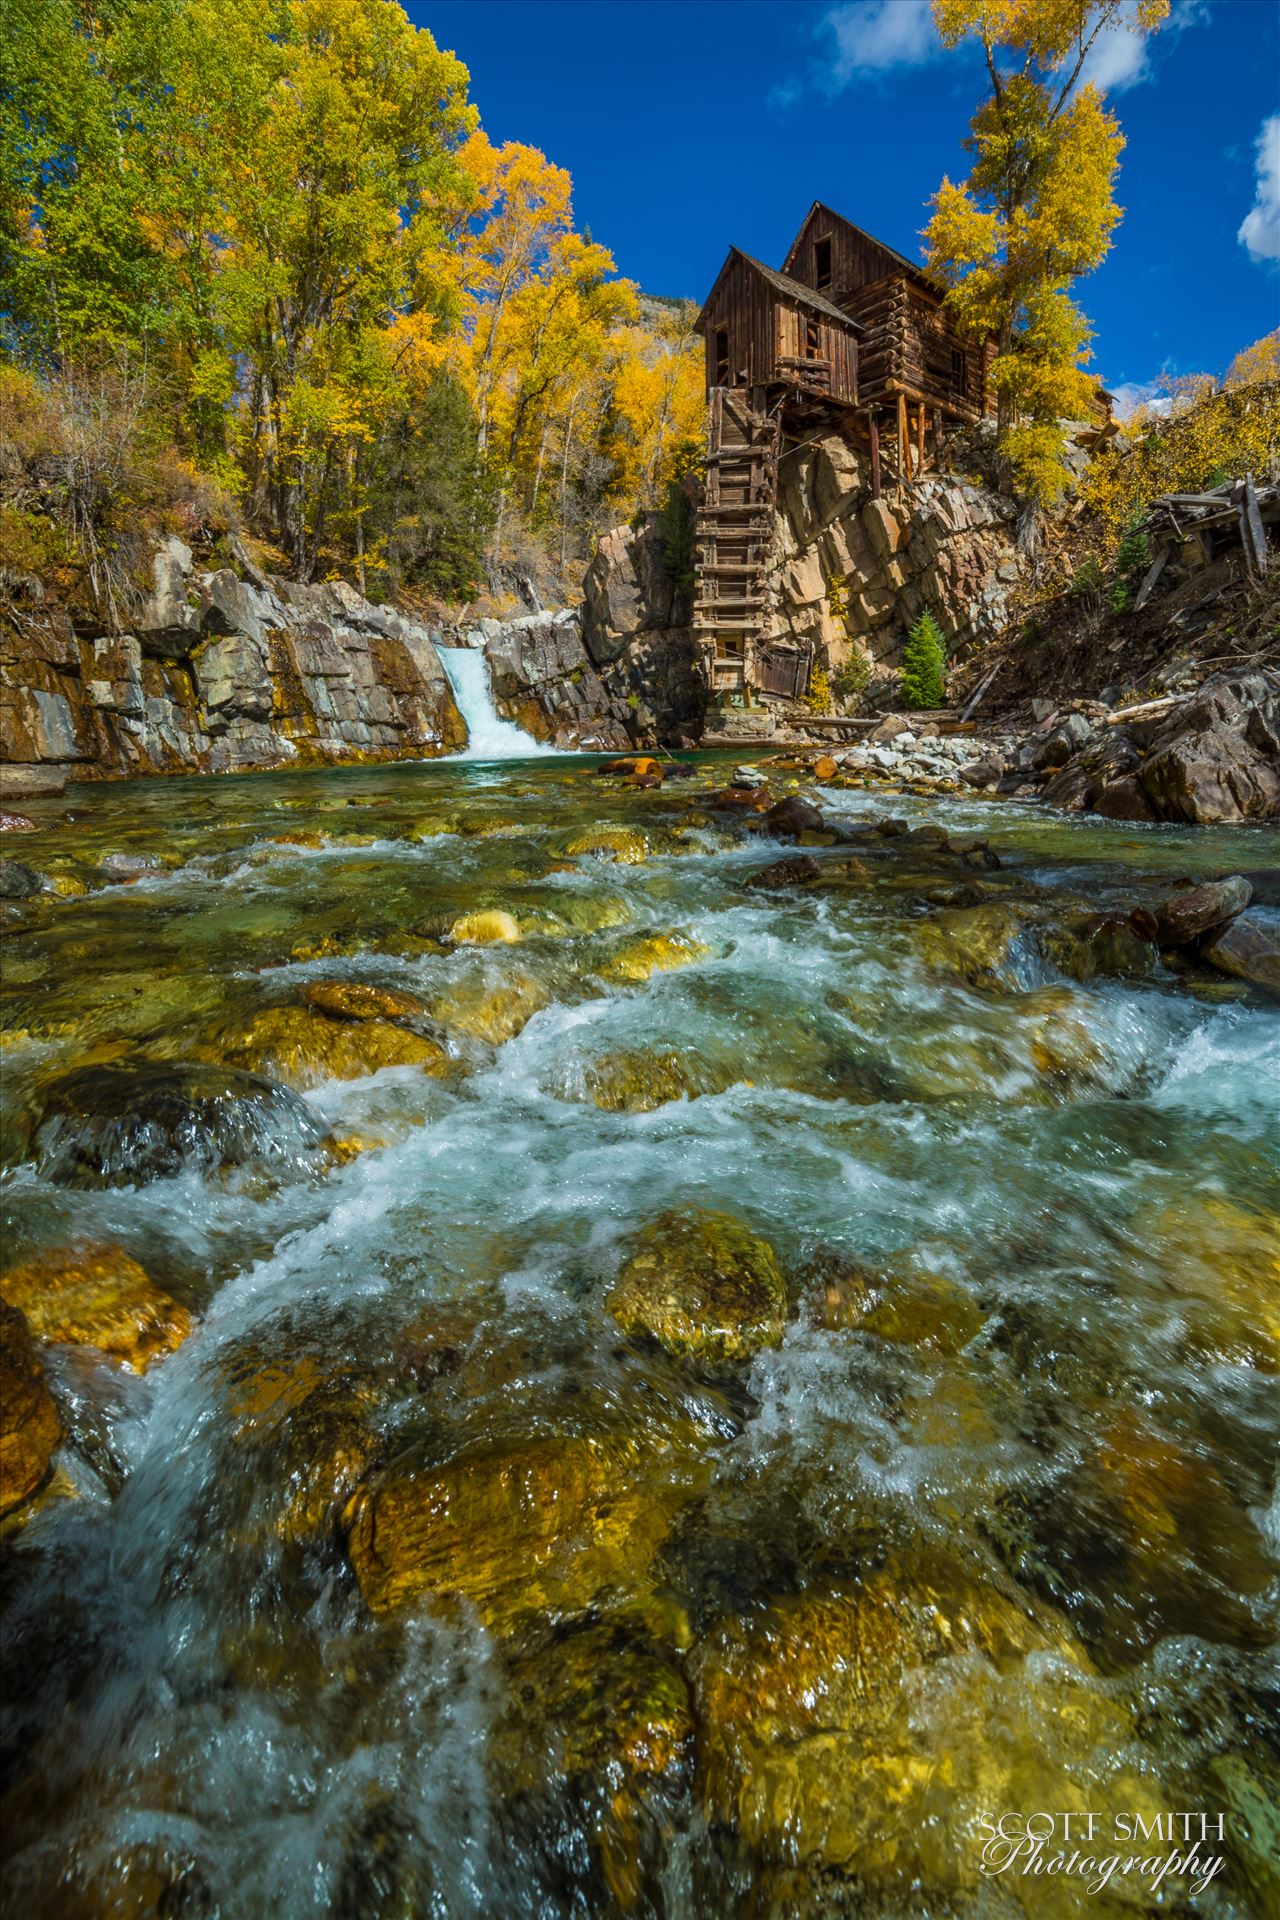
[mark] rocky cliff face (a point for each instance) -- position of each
(229, 670)
(851, 573)
(220, 673)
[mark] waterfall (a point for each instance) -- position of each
(489, 736)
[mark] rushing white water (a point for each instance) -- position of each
(489, 736)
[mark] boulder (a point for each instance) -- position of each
(793, 816)
(984, 773)
(29, 1425)
(1217, 757)
(303, 1048)
(794, 870)
(1247, 950)
(18, 881)
(544, 1523)
(135, 1121)
(701, 1283)
(97, 1296)
(626, 589)
(1193, 912)
(355, 1000)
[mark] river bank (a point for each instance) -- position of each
(630, 1389)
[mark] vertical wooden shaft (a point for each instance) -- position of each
(904, 443)
(875, 454)
(920, 439)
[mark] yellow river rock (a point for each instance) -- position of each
(638, 959)
(625, 845)
(702, 1283)
(96, 1296)
(491, 927)
(544, 1523)
(356, 1000)
(303, 1048)
(29, 1425)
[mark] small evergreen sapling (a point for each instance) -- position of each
(923, 664)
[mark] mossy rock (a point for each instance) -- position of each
(490, 927)
(96, 1296)
(490, 1010)
(29, 1425)
(625, 845)
(924, 1310)
(303, 1048)
(704, 1284)
(356, 1000)
(971, 943)
(312, 1429)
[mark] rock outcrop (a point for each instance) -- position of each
(852, 573)
(220, 673)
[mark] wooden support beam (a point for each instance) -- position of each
(904, 443)
(920, 438)
(875, 455)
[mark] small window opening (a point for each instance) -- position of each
(959, 369)
(822, 264)
(810, 338)
(722, 357)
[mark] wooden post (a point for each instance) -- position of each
(920, 438)
(904, 442)
(875, 454)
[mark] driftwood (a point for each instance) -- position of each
(1141, 712)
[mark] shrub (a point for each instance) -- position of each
(850, 678)
(924, 664)
(818, 698)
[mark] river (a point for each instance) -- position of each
(454, 1565)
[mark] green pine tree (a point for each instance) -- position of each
(923, 664)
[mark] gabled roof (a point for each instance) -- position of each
(900, 259)
(793, 290)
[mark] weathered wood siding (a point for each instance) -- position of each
(856, 259)
(768, 340)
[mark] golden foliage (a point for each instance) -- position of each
(1036, 212)
(1217, 438)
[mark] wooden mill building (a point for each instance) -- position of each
(849, 336)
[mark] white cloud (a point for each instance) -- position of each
(1117, 59)
(1260, 228)
(1132, 394)
(872, 35)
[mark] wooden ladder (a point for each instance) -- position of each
(732, 601)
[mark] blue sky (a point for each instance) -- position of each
(690, 125)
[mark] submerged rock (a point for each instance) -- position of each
(635, 1080)
(491, 1010)
(793, 870)
(135, 1121)
(638, 959)
(29, 1425)
(826, 1741)
(971, 942)
(702, 1283)
(920, 1309)
(543, 1524)
(96, 1296)
(18, 881)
